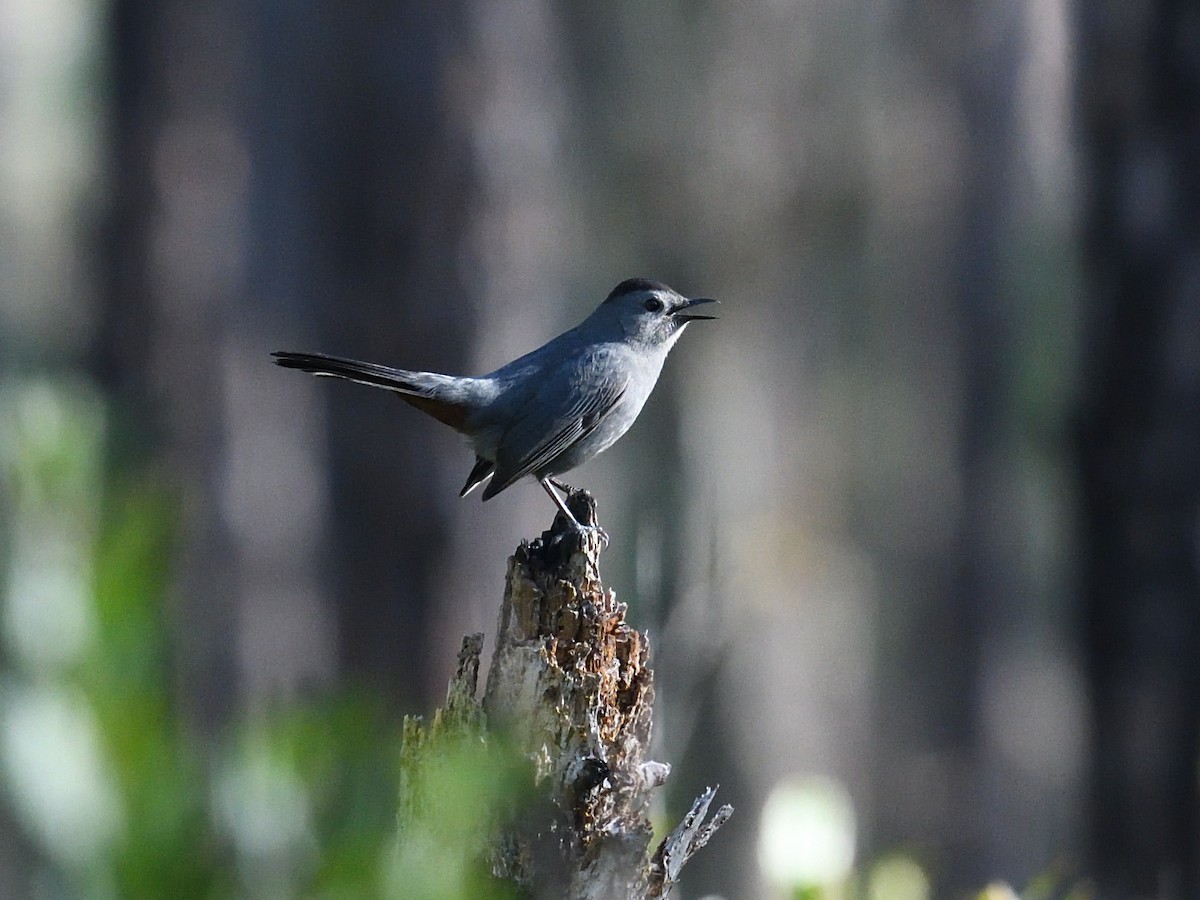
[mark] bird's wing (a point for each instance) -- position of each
(555, 416)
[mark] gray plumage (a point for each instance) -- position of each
(554, 408)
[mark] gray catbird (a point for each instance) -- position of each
(552, 409)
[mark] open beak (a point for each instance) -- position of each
(683, 313)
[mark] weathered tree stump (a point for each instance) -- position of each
(571, 690)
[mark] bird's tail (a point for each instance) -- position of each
(424, 390)
(363, 372)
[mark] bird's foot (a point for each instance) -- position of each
(600, 534)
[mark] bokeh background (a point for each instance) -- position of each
(914, 527)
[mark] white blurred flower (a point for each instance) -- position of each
(807, 834)
(57, 772)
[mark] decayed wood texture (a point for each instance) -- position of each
(570, 686)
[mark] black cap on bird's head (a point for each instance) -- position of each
(637, 285)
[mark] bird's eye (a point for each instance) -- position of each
(653, 305)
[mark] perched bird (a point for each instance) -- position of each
(554, 408)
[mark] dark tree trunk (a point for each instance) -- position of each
(172, 274)
(391, 171)
(1139, 442)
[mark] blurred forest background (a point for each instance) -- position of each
(914, 527)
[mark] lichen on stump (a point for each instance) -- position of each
(571, 689)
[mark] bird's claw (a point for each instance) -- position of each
(586, 531)
(600, 534)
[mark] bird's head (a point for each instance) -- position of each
(651, 313)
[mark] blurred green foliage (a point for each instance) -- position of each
(116, 792)
(459, 791)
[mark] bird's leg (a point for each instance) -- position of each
(561, 485)
(558, 501)
(549, 484)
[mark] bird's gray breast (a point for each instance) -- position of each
(615, 368)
